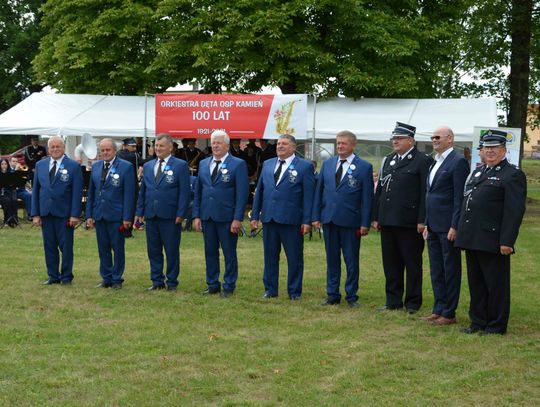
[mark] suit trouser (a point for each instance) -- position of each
(163, 234)
(110, 240)
(402, 249)
(489, 285)
(445, 270)
(216, 234)
(338, 239)
(57, 237)
(275, 235)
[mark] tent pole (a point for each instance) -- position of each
(145, 130)
(313, 135)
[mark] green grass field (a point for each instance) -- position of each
(79, 345)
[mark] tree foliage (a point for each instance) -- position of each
(98, 46)
(19, 39)
(357, 48)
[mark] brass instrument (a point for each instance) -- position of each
(192, 164)
(23, 167)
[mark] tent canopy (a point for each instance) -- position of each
(374, 119)
(124, 116)
(73, 115)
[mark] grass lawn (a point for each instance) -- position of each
(81, 345)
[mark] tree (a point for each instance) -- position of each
(352, 47)
(19, 39)
(356, 48)
(497, 55)
(96, 46)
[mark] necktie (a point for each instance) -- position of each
(215, 170)
(52, 172)
(104, 174)
(278, 171)
(339, 172)
(159, 170)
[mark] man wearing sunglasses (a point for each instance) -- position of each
(445, 182)
(399, 213)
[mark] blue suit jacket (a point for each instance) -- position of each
(290, 201)
(63, 197)
(349, 203)
(114, 203)
(444, 196)
(223, 200)
(169, 197)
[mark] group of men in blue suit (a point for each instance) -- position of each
(289, 203)
(416, 198)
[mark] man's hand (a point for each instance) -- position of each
(179, 220)
(236, 226)
(73, 221)
(375, 225)
(36, 221)
(127, 224)
(506, 250)
(197, 224)
(316, 224)
(425, 233)
(254, 224)
(364, 231)
(420, 228)
(452, 234)
(305, 229)
(90, 223)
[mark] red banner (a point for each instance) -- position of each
(197, 116)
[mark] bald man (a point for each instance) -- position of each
(444, 194)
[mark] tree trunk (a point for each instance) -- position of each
(520, 31)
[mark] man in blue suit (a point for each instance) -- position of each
(163, 202)
(221, 194)
(110, 208)
(282, 202)
(342, 204)
(56, 207)
(445, 183)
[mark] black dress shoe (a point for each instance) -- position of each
(226, 294)
(50, 282)
(267, 295)
(411, 311)
(104, 285)
(330, 301)
(116, 286)
(155, 287)
(354, 304)
(171, 288)
(470, 330)
(294, 297)
(211, 291)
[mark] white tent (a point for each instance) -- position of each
(73, 115)
(131, 116)
(374, 119)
